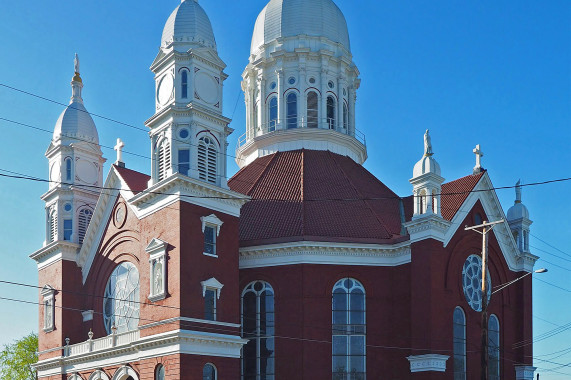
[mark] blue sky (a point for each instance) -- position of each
(489, 73)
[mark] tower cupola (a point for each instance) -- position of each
(519, 222)
(188, 27)
(300, 83)
(427, 182)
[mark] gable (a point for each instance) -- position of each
(484, 192)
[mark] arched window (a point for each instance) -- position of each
(312, 110)
(121, 299)
(52, 224)
(258, 355)
(493, 348)
(348, 322)
(68, 169)
(345, 117)
(331, 112)
(273, 114)
(291, 110)
(160, 372)
(207, 159)
(209, 372)
(184, 84)
(459, 343)
(163, 159)
(85, 215)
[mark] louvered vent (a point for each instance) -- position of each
(84, 219)
(207, 160)
(53, 225)
(164, 159)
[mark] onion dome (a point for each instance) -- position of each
(518, 210)
(289, 18)
(75, 122)
(189, 26)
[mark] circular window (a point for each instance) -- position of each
(330, 84)
(183, 133)
(312, 80)
(273, 85)
(291, 80)
(472, 282)
(67, 207)
(121, 300)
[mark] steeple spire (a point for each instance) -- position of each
(76, 82)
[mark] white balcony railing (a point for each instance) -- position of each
(289, 124)
(105, 343)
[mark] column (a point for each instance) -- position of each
(302, 108)
(340, 84)
(322, 114)
(280, 124)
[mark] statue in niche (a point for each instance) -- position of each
(158, 277)
(48, 316)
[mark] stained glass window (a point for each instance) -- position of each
(121, 300)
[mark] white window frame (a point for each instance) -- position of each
(212, 221)
(48, 293)
(216, 286)
(215, 370)
(157, 250)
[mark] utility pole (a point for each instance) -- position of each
(484, 343)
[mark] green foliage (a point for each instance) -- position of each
(16, 359)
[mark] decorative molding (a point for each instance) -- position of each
(485, 193)
(428, 362)
(124, 373)
(55, 252)
(132, 350)
(157, 250)
(213, 284)
(212, 220)
(524, 372)
(98, 375)
(48, 294)
(324, 253)
(427, 226)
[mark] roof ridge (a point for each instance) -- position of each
(360, 195)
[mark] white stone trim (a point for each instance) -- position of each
(428, 362)
(524, 372)
(168, 343)
(213, 221)
(98, 375)
(516, 260)
(124, 372)
(213, 284)
(48, 294)
(325, 253)
(427, 226)
(157, 255)
(55, 252)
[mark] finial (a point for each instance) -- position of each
(119, 148)
(90, 334)
(518, 191)
(427, 144)
(113, 329)
(76, 77)
(479, 154)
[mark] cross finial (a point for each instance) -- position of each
(119, 148)
(479, 154)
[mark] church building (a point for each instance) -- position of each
(302, 265)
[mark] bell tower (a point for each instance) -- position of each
(75, 170)
(188, 131)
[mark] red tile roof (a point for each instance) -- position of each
(454, 194)
(315, 195)
(136, 181)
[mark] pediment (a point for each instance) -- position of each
(156, 245)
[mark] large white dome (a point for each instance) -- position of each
(188, 24)
(76, 122)
(289, 18)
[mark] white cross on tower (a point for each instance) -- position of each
(479, 154)
(119, 148)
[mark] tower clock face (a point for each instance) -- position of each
(165, 89)
(206, 87)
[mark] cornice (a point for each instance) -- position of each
(172, 110)
(427, 226)
(54, 252)
(315, 252)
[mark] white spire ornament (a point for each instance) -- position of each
(479, 154)
(119, 148)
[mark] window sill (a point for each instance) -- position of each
(157, 297)
(49, 329)
(209, 254)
